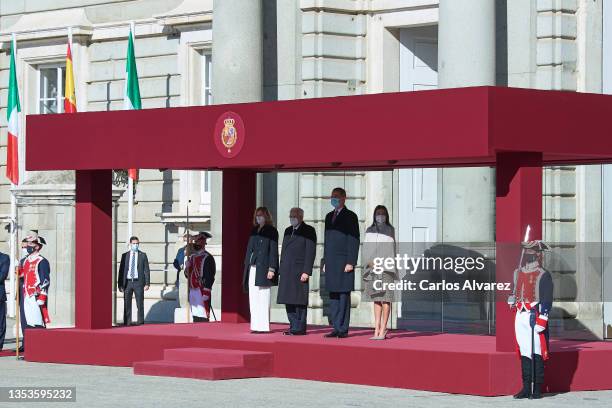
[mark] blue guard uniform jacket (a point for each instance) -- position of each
(341, 248)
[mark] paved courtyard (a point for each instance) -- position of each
(118, 387)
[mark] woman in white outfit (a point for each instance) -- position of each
(260, 269)
(379, 242)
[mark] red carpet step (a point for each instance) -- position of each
(208, 364)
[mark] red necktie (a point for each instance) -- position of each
(334, 216)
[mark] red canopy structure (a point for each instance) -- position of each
(516, 130)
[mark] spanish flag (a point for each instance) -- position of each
(69, 95)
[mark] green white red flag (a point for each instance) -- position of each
(131, 99)
(13, 113)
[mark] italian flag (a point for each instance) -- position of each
(12, 117)
(69, 94)
(131, 99)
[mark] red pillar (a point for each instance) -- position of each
(93, 258)
(239, 189)
(518, 204)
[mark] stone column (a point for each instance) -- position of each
(466, 57)
(237, 51)
(466, 43)
(45, 202)
(237, 58)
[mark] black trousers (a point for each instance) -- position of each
(297, 317)
(135, 288)
(340, 310)
(2, 322)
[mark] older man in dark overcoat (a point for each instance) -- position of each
(339, 259)
(297, 258)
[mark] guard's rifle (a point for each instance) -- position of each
(512, 298)
(17, 312)
(186, 259)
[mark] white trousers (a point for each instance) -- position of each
(522, 330)
(31, 311)
(259, 304)
(196, 300)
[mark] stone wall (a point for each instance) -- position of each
(312, 49)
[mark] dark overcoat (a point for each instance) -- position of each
(5, 262)
(262, 251)
(341, 248)
(297, 257)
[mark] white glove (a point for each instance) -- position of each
(539, 329)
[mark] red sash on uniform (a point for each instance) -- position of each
(32, 285)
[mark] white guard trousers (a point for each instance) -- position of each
(522, 330)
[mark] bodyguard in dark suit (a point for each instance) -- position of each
(297, 258)
(5, 263)
(133, 279)
(339, 259)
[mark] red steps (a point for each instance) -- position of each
(208, 364)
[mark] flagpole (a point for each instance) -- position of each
(130, 207)
(130, 180)
(13, 222)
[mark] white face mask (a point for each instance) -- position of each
(134, 247)
(293, 221)
(381, 219)
(261, 220)
(24, 252)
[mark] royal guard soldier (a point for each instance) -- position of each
(34, 281)
(532, 298)
(200, 271)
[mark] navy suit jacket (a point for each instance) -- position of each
(5, 263)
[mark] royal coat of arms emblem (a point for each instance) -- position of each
(229, 134)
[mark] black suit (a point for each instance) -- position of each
(133, 286)
(340, 249)
(5, 263)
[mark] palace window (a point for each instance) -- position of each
(207, 99)
(51, 88)
(206, 78)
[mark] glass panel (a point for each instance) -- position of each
(61, 80)
(436, 213)
(207, 79)
(51, 91)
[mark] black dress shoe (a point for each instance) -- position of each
(332, 334)
(300, 333)
(342, 335)
(287, 333)
(522, 394)
(536, 394)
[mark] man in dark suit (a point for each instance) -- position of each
(297, 258)
(339, 259)
(133, 278)
(5, 263)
